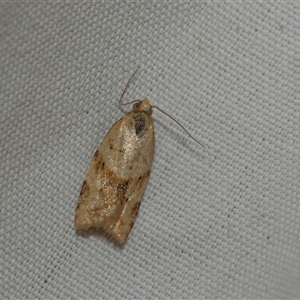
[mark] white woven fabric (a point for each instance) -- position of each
(217, 223)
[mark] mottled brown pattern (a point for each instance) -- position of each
(122, 187)
(98, 162)
(101, 208)
(113, 189)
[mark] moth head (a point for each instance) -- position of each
(143, 105)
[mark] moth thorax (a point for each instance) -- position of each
(143, 105)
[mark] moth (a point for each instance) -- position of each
(116, 180)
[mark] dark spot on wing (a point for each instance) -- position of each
(99, 164)
(142, 179)
(122, 188)
(96, 154)
(140, 123)
(84, 189)
(98, 161)
(135, 209)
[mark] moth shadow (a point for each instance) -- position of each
(183, 138)
(99, 234)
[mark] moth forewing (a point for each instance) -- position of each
(116, 180)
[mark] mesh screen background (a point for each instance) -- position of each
(217, 223)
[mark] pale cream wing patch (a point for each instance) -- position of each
(117, 177)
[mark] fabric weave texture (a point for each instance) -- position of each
(221, 222)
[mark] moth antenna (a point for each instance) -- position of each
(153, 106)
(124, 91)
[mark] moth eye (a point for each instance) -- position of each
(136, 105)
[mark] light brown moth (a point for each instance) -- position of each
(116, 179)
